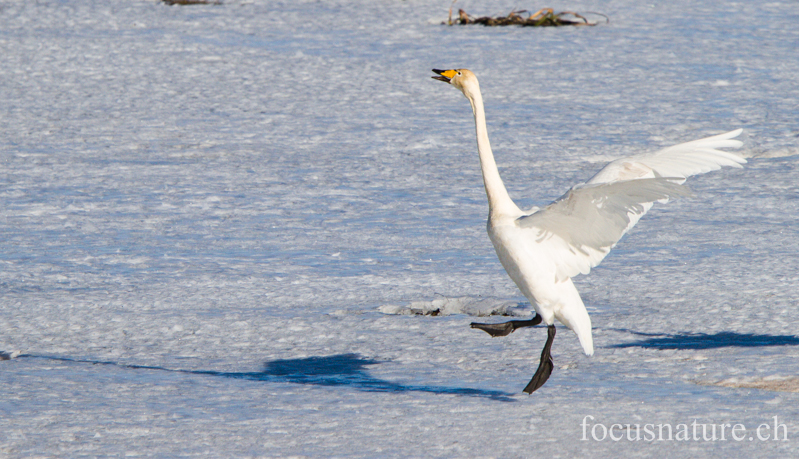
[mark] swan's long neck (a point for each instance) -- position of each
(499, 202)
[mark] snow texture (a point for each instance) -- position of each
(218, 220)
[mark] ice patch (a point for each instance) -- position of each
(9, 355)
(772, 383)
(479, 307)
(780, 153)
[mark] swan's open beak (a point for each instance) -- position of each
(446, 75)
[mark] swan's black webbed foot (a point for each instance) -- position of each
(545, 367)
(506, 328)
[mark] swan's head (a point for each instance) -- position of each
(462, 79)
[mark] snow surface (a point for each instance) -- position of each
(221, 227)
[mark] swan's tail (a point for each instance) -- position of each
(573, 315)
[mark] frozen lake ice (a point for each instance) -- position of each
(219, 224)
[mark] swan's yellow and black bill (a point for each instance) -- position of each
(446, 75)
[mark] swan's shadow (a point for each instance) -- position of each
(705, 341)
(335, 370)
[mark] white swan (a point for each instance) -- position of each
(543, 249)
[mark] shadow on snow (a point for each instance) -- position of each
(335, 370)
(704, 341)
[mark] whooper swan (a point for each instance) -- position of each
(544, 248)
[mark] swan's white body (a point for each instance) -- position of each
(543, 249)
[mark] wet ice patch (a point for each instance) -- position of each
(479, 307)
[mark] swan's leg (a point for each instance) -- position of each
(506, 328)
(545, 367)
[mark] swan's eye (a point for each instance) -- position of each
(459, 74)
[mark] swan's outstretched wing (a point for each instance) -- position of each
(580, 228)
(683, 160)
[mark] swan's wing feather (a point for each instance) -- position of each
(683, 160)
(580, 228)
